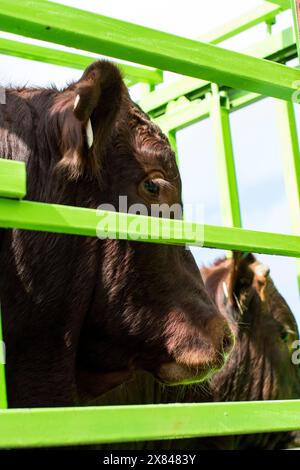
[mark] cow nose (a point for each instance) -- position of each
(228, 340)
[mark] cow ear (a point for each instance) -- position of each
(241, 275)
(89, 109)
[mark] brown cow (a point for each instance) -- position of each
(79, 313)
(260, 366)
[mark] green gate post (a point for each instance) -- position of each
(12, 186)
(230, 207)
(173, 143)
(289, 147)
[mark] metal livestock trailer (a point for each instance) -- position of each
(245, 78)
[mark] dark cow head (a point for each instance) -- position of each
(112, 306)
(263, 364)
(151, 318)
(264, 326)
(260, 366)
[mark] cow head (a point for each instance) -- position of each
(262, 365)
(150, 309)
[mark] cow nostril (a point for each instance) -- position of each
(227, 341)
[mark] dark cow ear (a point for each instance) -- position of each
(90, 109)
(241, 275)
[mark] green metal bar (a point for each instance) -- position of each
(3, 397)
(74, 220)
(69, 26)
(283, 3)
(183, 114)
(90, 425)
(261, 13)
(163, 96)
(48, 55)
(278, 47)
(289, 146)
(230, 207)
(295, 4)
(12, 179)
(173, 143)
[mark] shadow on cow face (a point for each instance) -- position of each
(150, 309)
(266, 332)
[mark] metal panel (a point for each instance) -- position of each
(64, 25)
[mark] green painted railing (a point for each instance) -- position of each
(69, 26)
(190, 100)
(87, 425)
(49, 55)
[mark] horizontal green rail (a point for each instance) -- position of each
(278, 47)
(183, 114)
(60, 24)
(90, 425)
(264, 12)
(282, 3)
(74, 220)
(48, 55)
(12, 179)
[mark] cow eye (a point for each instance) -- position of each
(151, 187)
(284, 336)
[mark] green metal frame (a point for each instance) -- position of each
(265, 12)
(230, 206)
(57, 218)
(49, 55)
(68, 26)
(87, 425)
(289, 144)
(12, 179)
(279, 47)
(175, 107)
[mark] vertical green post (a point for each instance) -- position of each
(295, 4)
(146, 88)
(173, 143)
(230, 207)
(289, 147)
(3, 398)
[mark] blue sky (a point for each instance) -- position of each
(258, 163)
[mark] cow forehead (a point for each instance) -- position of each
(143, 139)
(154, 154)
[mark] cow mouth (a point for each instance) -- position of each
(172, 373)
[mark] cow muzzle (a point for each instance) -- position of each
(197, 359)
